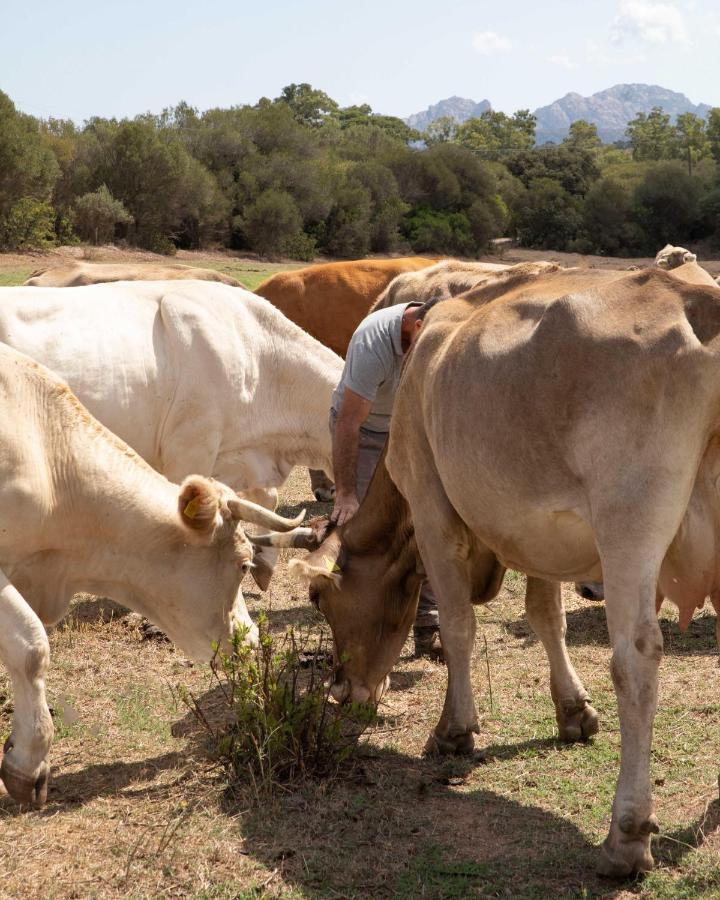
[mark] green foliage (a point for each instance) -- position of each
(281, 724)
(27, 225)
(271, 222)
(96, 215)
(667, 204)
(547, 215)
(607, 224)
(582, 136)
(309, 106)
(651, 135)
(28, 168)
(494, 133)
(574, 169)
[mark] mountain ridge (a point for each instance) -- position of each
(610, 109)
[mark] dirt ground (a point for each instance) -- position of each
(137, 808)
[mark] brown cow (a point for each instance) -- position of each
(447, 278)
(330, 300)
(80, 273)
(581, 438)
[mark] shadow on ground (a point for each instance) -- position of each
(588, 627)
(392, 825)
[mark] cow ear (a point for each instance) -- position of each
(198, 502)
(309, 569)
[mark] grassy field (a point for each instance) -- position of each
(16, 268)
(137, 809)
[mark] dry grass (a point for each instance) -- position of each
(137, 809)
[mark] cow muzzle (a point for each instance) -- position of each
(590, 590)
(343, 691)
(25, 790)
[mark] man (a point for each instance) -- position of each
(360, 421)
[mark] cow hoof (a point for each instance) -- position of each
(26, 791)
(462, 744)
(626, 850)
(624, 860)
(579, 726)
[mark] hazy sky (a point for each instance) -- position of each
(78, 58)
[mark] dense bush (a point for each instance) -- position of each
(300, 175)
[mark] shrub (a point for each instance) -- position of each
(96, 215)
(28, 225)
(271, 221)
(281, 724)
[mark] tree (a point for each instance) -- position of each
(495, 133)
(546, 215)
(441, 130)
(666, 204)
(712, 131)
(309, 106)
(28, 168)
(27, 225)
(652, 136)
(582, 136)
(271, 222)
(607, 224)
(692, 140)
(574, 169)
(96, 215)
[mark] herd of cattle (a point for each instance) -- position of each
(562, 422)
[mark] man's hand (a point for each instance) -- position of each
(346, 505)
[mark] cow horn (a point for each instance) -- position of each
(258, 515)
(305, 538)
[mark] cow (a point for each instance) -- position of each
(195, 376)
(447, 278)
(329, 300)
(568, 426)
(81, 511)
(76, 274)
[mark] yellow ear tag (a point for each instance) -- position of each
(191, 509)
(331, 565)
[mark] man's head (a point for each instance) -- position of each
(412, 321)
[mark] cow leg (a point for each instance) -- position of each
(576, 719)
(25, 650)
(637, 649)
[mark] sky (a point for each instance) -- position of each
(81, 58)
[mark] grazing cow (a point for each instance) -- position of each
(195, 376)
(447, 278)
(567, 426)
(330, 300)
(80, 511)
(75, 274)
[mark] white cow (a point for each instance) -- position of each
(80, 511)
(195, 376)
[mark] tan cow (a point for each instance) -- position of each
(330, 300)
(83, 273)
(81, 511)
(568, 426)
(447, 278)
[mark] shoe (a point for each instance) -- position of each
(427, 642)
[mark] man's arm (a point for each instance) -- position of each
(353, 412)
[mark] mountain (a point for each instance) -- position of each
(610, 110)
(459, 108)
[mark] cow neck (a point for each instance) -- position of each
(383, 520)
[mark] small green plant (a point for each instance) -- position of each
(279, 724)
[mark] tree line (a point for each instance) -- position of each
(300, 175)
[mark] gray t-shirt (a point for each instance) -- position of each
(373, 365)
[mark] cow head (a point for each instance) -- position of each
(214, 553)
(365, 578)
